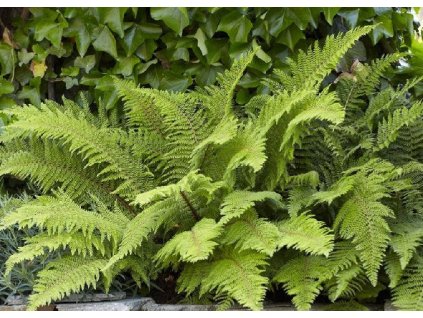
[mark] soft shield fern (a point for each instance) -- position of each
(219, 191)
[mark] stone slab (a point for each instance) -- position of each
(86, 298)
(130, 304)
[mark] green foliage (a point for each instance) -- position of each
(48, 52)
(306, 234)
(407, 295)
(303, 277)
(292, 188)
(21, 279)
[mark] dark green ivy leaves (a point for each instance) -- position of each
(236, 25)
(175, 18)
(106, 42)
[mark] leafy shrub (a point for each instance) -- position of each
(47, 52)
(315, 189)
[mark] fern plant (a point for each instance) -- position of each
(235, 198)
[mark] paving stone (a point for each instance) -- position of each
(130, 304)
(86, 298)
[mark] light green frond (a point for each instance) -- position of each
(346, 283)
(64, 276)
(389, 127)
(60, 214)
(137, 266)
(310, 178)
(362, 218)
(140, 227)
(225, 131)
(250, 232)
(96, 145)
(305, 233)
(326, 107)
(340, 188)
(235, 275)
(140, 108)
(387, 99)
(408, 294)
(300, 198)
(238, 202)
(393, 268)
(44, 243)
(219, 98)
(191, 246)
(302, 277)
(311, 67)
(407, 237)
(49, 166)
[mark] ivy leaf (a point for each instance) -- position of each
(30, 93)
(6, 87)
(106, 42)
(211, 24)
(24, 56)
(301, 17)
(38, 69)
(146, 50)
(350, 16)
(132, 40)
(383, 29)
(70, 71)
(49, 30)
(201, 39)
(126, 65)
(150, 31)
(70, 82)
(236, 25)
(175, 83)
(175, 18)
(260, 53)
(7, 57)
(113, 17)
(278, 21)
(330, 13)
(82, 39)
(143, 67)
(290, 37)
(86, 62)
(180, 54)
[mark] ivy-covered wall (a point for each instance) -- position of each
(47, 53)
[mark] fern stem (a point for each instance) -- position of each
(190, 206)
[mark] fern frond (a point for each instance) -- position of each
(219, 98)
(362, 218)
(346, 283)
(238, 202)
(96, 145)
(393, 268)
(388, 129)
(60, 214)
(408, 294)
(299, 199)
(49, 166)
(407, 237)
(41, 244)
(311, 67)
(191, 246)
(306, 234)
(251, 232)
(302, 277)
(64, 276)
(236, 274)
